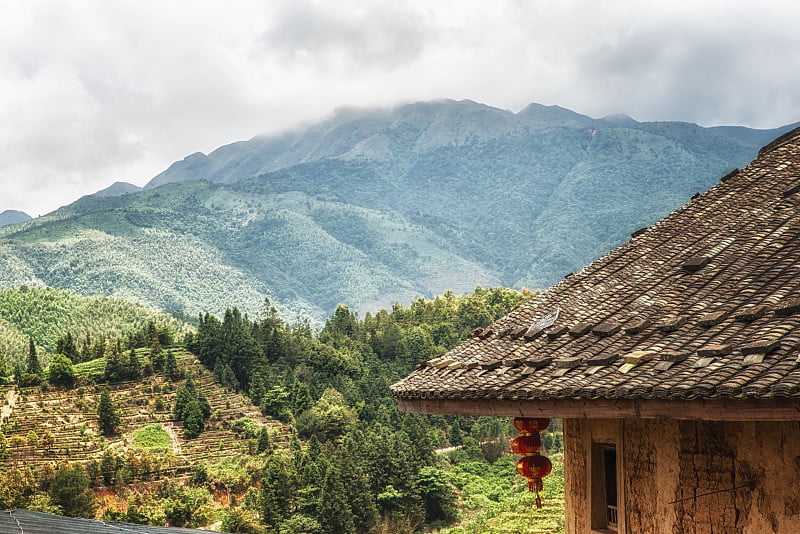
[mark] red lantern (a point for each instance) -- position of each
(526, 444)
(534, 466)
(529, 425)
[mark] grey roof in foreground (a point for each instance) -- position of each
(28, 522)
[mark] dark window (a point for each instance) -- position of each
(604, 487)
(610, 474)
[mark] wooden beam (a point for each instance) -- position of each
(708, 410)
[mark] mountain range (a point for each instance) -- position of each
(375, 206)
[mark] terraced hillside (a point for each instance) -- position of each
(43, 427)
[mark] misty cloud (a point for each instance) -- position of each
(707, 67)
(96, 91)
(348, 34)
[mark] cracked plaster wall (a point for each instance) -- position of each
(727, 477)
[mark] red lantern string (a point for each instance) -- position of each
(533, 465)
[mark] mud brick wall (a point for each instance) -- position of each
(690, 477)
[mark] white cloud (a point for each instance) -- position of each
(95, 91)
(347, 36)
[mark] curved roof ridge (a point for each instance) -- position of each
(781, 140)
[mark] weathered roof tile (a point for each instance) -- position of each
(710, 319)
(606, 328)
(695, 263)
(579, 329)
(751, 313)
(637, 325)
(709, 351)
(763, 346)
(670, 324)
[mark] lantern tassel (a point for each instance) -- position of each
(535, 486)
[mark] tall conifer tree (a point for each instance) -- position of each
(34, 367)
(335, 514)
(107, 413)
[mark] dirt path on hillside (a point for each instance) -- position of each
(8, 407)
(176, 444)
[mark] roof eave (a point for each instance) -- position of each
(775, 409)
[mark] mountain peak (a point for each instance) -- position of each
(193, 166)
(539, 113)
(117, 189)
(9, 217)
(393, 204)
(620, 119)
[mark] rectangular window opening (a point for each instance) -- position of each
(610, 474)
(604, 487)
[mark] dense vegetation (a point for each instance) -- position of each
(374, 207)
(366, 466)
(345, 461)
(48, 315)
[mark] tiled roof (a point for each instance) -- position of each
(705, 304)
(28, 522)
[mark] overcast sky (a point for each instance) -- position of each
(93, 92)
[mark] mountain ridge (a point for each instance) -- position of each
(117, 189)
(375, 206)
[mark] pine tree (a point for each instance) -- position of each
(263, 440)
(183, 397)
(335, 514)
(86, 349)
(193, 422)
(356, 485)
(270, 508)
(134, 366)
(66, 346)
(115, 369)
(34, 367)
(157, 355)
(171, 366)
(107, 414)
(5, 370)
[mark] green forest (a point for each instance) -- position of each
(326, 451)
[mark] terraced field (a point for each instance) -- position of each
(46, 426)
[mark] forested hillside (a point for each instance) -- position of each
(46, 315)
(377, 206)
(324, 449)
